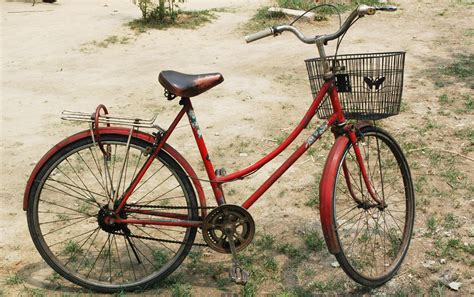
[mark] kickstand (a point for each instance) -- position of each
(237, 274)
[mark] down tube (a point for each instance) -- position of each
(287, 164)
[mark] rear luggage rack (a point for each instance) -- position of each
(109, 120)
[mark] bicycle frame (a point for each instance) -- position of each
(217, 181)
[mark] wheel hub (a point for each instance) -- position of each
(106, 220)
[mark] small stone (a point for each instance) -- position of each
(243, 154)
(428, 264)
(455, 286)
(442, 261)
(470, 232)
(335, 264)
(33, 164)
(216, 134)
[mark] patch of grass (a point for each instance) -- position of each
(462, 69)
(445, 100)
(431, 224)
(195, 257)
(181, 290)
(280, 138)
(14, 279)
(467, 133)
(420, 183)
(72, 248)
(113, 39)
(35, 292)
(270, 263)
(263, 19)
(265, 241)
(160, 258)
(428, 126)
(292, 252)
(453, 176)
(314, 241)
(451, 221)
(332, 285)
(250, 289)
(448, 248)
(468, 103)
(185, 20)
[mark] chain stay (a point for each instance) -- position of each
(163, 207)
(156, 239)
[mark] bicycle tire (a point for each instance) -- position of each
(69, 189)
(360, 251)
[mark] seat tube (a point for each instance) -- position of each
(216, 188)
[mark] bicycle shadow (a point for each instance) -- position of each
(39, 275)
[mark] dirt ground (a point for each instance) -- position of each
(52, 60)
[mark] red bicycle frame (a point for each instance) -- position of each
(216, 181)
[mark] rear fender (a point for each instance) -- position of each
(121, 131)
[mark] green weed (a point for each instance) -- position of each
(314, 241)
(420, 183)
(453, 176)
(332, 285)
(270, 263)
(265, 241)
(181, 290)
(15, 279)
(462, 69)
(35, 292)
(292, 252)
(451, 221)
(467, 133)
(445, 100)
(185, 20)
(431, 224)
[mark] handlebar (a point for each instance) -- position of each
(360, 11)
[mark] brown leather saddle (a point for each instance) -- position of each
(188, 85)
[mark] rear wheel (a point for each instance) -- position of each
(70, 200)
(373, 238)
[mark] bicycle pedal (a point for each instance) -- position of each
(238, 275)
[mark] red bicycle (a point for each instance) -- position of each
(114, 208)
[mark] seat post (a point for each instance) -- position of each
(216, 188)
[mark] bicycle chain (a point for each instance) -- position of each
(169, 206)
(163, 207)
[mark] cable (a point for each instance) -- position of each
(316, 7)
(339, 40)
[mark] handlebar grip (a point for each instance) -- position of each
(259, 35)
(387, 8)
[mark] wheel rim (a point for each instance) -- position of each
(67, 210)
(373, 239)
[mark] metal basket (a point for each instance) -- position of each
(369, 87)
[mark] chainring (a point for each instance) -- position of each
(230, 216)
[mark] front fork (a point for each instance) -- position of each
(354, 134)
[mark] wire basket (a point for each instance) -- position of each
(370, 87)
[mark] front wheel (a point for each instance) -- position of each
(78, 186)
(373, 239)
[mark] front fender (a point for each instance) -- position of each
(121, 131)
(326, 189)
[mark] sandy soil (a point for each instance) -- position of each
(50, 62)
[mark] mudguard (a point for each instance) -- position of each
(121, 131)
(326, 189)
